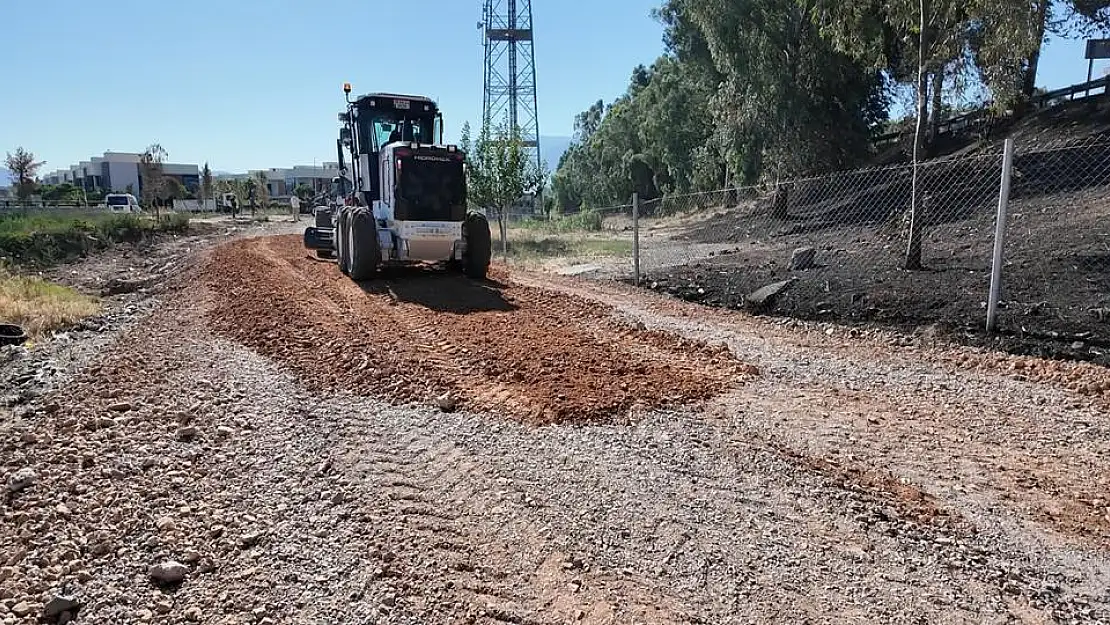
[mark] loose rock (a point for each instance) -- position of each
(22, 479)
(61, 603)
(803, 258)
(447, 403)
(170, 572)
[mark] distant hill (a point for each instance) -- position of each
(552, 148)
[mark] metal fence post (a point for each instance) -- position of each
(1000, 236)
(636, 238)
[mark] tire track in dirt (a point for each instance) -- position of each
(537, 355)
(936, 420)
(438, 500)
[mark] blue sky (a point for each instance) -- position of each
(251, 84)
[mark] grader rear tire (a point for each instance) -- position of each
(479, 246)
(365, 252)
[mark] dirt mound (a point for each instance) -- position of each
(411, 336)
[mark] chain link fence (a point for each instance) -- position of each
(1056, 268)
(834, 247)
(843, 247)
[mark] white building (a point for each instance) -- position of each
(280, 181)
(119, 172)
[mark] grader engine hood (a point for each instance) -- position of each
(430, 185)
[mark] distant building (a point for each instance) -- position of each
(280, 181)
(119, 171)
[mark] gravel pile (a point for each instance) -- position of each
(543, 357)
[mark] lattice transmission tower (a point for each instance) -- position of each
(509, 94)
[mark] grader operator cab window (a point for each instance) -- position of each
(402, 130)
(379, 128)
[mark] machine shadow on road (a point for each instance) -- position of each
(440, 291)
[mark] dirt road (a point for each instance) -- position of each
(614, 457)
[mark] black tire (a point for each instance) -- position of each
(479, 246)
(340, 240)
(12, 334)
(365, 252)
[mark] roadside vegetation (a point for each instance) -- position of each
(44, 239)
(41, 307)
(583, 221)
(526, 246)
(757, 91)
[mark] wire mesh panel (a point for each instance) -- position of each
(1056, 277)
(834, 247)
(595, 243)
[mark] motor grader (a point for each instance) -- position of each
(403, 201)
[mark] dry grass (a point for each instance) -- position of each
(39, 306)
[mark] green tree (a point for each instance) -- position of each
(304, 192)
(151, 175)
(941, 36)
(24, 169)
(65, 193)
(248, 189)
(262, 189)
(499, 172)
(787, 102)
(207, 190)
(748, 89)
(172, 189)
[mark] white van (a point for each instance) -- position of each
(122, 203)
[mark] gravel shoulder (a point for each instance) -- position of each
(827, 474)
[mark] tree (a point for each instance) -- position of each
(304, 192)
(748, 90)
(151, 175)
(64, 193)
(262, 188)
(944, 33)
(248, 189)
(787, 102)
(24, 169)
(1064, 18)
(206, 187)
(499, 172)
(172, 189)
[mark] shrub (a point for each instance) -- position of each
(584, 221)
(174, 223)
(587, 220)
(49, 238)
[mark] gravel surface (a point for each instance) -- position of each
(182, 476)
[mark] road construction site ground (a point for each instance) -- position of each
(613, 456)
